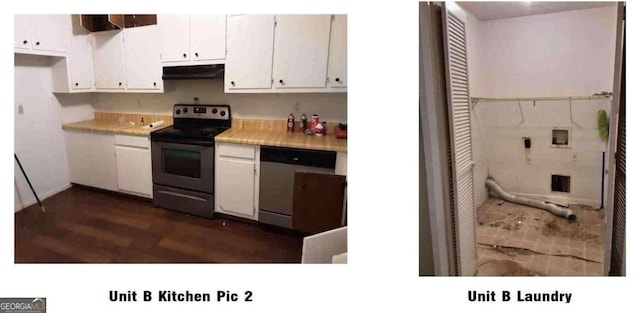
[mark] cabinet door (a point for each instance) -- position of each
(80, 60)
(250, 59)
(208, 37)
(301, 51)
(142, 55)
(317, 201)
(92, 160)
(108, 57)
(50, 32)
(174, 30)
(337, 72)
(134, 170)
(235, 181)
(22, 34)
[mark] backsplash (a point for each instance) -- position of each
(132, 117)
(331, 107)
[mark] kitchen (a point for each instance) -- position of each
(165, 138)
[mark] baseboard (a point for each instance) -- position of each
(592, 203)
(44, 196)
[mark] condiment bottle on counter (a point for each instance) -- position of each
(290, 123)
(314, 122)
(303, 123)
(319, 129)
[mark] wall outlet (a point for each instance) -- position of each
(574, 156)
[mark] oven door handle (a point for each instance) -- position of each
(175, 194)
(185, 142)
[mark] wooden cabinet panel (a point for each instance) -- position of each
(301, 49)
(317, 201)
(250, 58)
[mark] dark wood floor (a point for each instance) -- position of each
(83, 225)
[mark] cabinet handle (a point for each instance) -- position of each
(120, 84)
(282, 82)
(337, 79)
(24, 42)
(233, 83)
(197, 54)
(154, 84)
(184, 55)
(37, 43)
(76, 84)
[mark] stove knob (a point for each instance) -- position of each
(177, 111)
(223, 113)
(214, 111)
(185, 110)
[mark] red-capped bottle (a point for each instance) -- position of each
(290, 123)
(303, 123)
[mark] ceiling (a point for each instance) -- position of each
(486, 11)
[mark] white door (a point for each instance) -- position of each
(142, 55)
(108, 57)
(80, 60)
(337, 72)
(134, 170)
(22, 34)
(460, 130)
(250, 58)
(92, 160)
(174, 30)
(235, 186)
(301, 51)
(50, 32)
(208, 37)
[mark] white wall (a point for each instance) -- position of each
(560, 54)
(330, 107)
(39, 139)
(502, 133)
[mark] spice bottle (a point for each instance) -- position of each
(303, 123)
(290, 123)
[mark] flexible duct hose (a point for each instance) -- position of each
(555, 209)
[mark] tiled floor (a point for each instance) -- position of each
(514, 239)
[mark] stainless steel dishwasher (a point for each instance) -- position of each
(277, 171)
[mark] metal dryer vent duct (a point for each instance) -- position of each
(553, 208)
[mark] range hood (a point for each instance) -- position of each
(193, 72)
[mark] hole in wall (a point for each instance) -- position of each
(560, 183)
(560, 137)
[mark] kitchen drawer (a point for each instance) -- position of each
(236, 150)
(132, 141)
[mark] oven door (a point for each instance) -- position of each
(187, 165)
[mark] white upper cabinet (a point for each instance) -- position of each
(250, 59)
(75, 72)
(337, 72)
(175, 37)
(193, 39)
(108, 57)
(301, 49)
(142, 58)
(208, 37)
(42, 34)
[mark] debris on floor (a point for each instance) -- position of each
(539, 241)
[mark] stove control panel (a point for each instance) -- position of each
(212, 112)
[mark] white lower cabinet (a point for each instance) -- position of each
(236, 180)
(92, 159)
(133, 159)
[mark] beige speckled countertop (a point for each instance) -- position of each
(283, 139)
(108, 123)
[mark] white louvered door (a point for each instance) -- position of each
(460, 132)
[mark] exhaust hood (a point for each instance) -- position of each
(193, 72)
